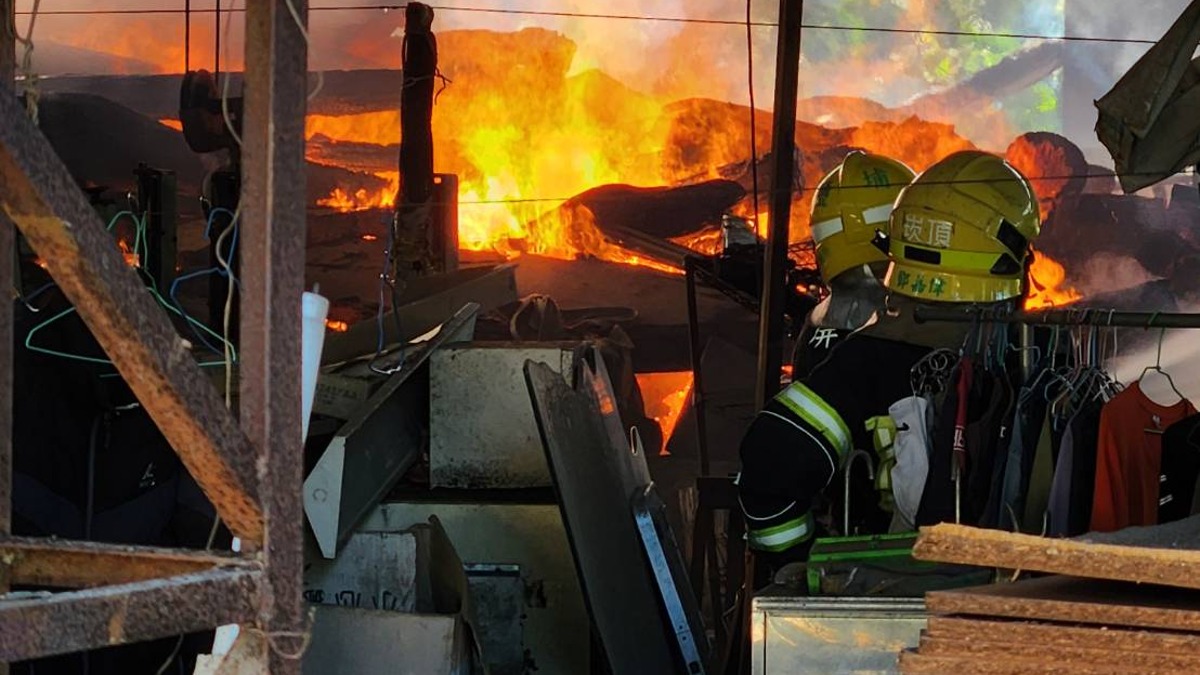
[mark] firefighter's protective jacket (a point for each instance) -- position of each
(798, 442)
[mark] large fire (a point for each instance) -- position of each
(526, 132)
(664, 396)
(1047, 287)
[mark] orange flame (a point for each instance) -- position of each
(1047, 287)
(664, 396)
(337, 326)
(172, 123)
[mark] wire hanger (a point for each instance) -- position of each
(141, 248)
(1157, 367)
(208, 271)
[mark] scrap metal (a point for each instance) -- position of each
(58, 222)
(274, 227)
(82, 564)
(115, 615)
(375, 446)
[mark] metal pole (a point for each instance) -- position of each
(689, 271)
(783, 147)
(273, 229)
(187, 35)
(217, 32)
(8, 72)
(1060, 317)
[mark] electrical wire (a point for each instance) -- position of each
(653, 18)
(753, 107)
(225, 83)
(28, 77)
(291, 5)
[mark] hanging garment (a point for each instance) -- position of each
(1180, 470)
(1060, 487)
(1085, 435)
(986, 433)
(990, 517)
(911, 447)
(937, 498)
(1129, 459)
(1037, 495)
(1026, 430)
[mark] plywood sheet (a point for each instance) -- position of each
(1158, 555)
(1075, 600)
(1046, 634)
(993, 646)
(913, 663)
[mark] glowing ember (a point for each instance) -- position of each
(131, 257)
(1047, 286)
(664, 396)
(337, 326)
(362, 198)
(369, 237)
(174, 124)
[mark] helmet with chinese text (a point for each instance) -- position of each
(852, 202)
(961, 232)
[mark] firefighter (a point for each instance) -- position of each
(852, 202)
(959, 233)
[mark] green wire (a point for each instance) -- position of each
(140, 247)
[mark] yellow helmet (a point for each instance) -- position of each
(851, 202)
(961, 231)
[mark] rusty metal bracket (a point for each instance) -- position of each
(54, 215)
(114, 615)
(82, 564)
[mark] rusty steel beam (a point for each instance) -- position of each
(8, 71)
(83, 564)
(115, 615)
(273, 227)
(40, 196)
(8, 66)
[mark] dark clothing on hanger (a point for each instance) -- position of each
(986, 435)
(1026, 431)
(1180, 469)
(1085, 435)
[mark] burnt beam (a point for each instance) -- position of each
(783, 149)
(60, 563)
(273, 226)
(42, 199)
(114, 615)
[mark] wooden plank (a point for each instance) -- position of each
(913, 663)
(1085, 601)
(1124, 556)
(1039, 634)
(1000, 646)
(40, 196)
(82, 564)
(274, 227)
(115, 615)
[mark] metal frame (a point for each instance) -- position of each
(250, 467)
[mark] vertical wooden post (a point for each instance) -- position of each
(273, 229)
(783, 147)
(8, 68)
(414, 216)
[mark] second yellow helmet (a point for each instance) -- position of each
(851, 203)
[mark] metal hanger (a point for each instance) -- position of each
(141, 248)
(1157, 367)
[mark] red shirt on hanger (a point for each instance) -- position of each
(1129, 459)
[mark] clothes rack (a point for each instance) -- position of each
(1059, 317)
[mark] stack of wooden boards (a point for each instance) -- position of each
(1125, 602)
